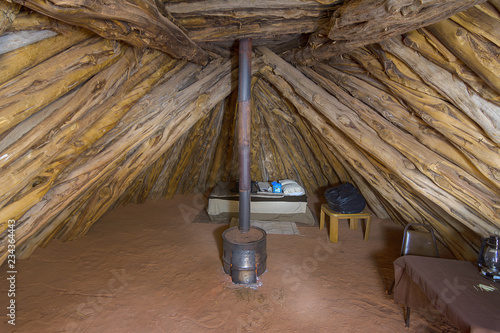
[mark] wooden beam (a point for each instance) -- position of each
(343, 147)
(137, 22)
(481, 55)
(42, 84)
(435, 111)
(20, 60)
(8, 12)
(145, 133)
(448, 176)
(439, 188)
(483, 112)
(362, 22)
(76, 126)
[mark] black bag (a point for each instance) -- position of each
(345, 199)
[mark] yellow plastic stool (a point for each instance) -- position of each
(334, 222)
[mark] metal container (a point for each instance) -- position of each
(244, 254)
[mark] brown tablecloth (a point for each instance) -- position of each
(454, 287)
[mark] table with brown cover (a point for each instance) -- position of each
(454, 287)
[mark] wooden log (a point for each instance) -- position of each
(172, 156)
(352, 176)
(67, 151)
(112, 180)
(8, 12)
(453, 179)
(439, 188)
(426, 44)
(195, 180)
(432, 214)
(483, 112)
(495, 3)
(379, 19)
(151, 176)
(382, 65)
(15, 40)
(363, 22)
(332, 158)
(29, 20)
(137, 22)
(294, 147)
(42, 84)
(163, 122)
(388, 107)
(271, 158)
(471, 141)
(13, 137)
(20, 60)
(77, 129)
(344, 147)
(459, 129)
(191, 149)
(478, 53)
(328, 175)
(218, 170)
(290, 172)
(481, 22)
(257, 166)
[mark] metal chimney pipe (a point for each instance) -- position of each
(244, 123)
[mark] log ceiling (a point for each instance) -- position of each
(135, 100)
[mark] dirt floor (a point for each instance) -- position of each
(151, 268)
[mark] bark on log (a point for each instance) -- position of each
(41, 85)
(137, 22)
(279, 118)
(344, 146)
(330, 171)
(173, 154)
(362, 22)
(195, 179)
(8, 12)
(438, 188)
(478, 53)
(495, 3)
(20, 60)
(479, 21)
(218, 170)
(454, 180)
(140, 142)
(459, 129)
(187, 172)
(354, 177)
(29, 20)
(432, 214)
(425, 43)
(485, 113)
(388, 107)
(75, 127)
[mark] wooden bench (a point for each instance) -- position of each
(334, 221)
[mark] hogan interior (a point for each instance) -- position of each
(107, 103)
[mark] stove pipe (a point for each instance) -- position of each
(244, 247)
(244, 123)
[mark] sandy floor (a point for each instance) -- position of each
(149, 268)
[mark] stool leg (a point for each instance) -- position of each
(334, 229)
(353, 223)
(368, 224)
(321, 219)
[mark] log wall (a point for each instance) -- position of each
(87, 123)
